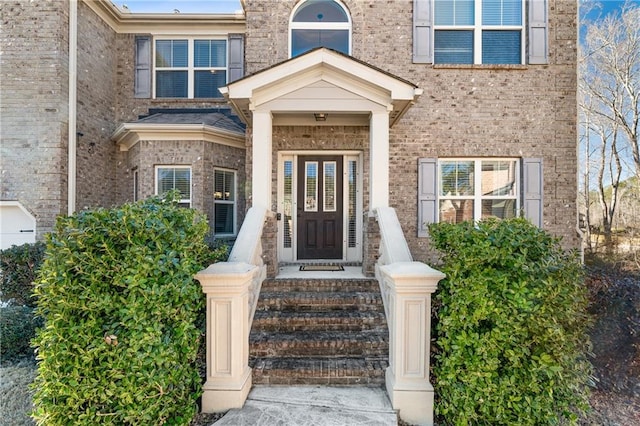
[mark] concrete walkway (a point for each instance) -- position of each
(313, 406)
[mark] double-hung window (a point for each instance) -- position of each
(474, 189)
(479, 31)
(175, 177)
(224, 191)
(190, 67)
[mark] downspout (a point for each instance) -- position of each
(73, 63)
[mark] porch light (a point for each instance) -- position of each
(320, 116)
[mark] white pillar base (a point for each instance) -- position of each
(414, 406)
(217, 398)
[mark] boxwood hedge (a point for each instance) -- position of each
(120, 304)
(511, 338)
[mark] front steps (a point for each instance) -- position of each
(319, 332)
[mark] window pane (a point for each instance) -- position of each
(454, 12)
(208, 82)
(223, 219)
(456, 178)
(210, 53)
(311, 186)
(183, 183)
(171, 84)
(453, 47)
(352, 175)
(501, 47)
(180, 53)
(175, 178)
(456, 211)
(320, 11)
(329, 202)
(224, 182)
(499, 178)
(288, 202)
(163, 53)
(304, 40)
(502, 12)
(501, 209)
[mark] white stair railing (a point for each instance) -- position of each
(406, 288)
(232, 290)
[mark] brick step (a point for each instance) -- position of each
(345, 320)
(319, 371)
(319, 344)
(321, 285)
(319, 301)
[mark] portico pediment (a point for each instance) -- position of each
(321, 81)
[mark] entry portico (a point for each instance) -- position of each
(320, 88)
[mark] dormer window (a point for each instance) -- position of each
(319, 23)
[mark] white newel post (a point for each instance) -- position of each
(408, 289)
(227, 287)
(379, 159)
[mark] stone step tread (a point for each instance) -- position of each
(363, 284)
(318, 336)
(311, 320)
(314, 370)
(351, 300)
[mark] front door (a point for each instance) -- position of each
(320, 211)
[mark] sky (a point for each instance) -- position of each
(184, 6)
(231, 6)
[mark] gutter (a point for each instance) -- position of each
(73, 95)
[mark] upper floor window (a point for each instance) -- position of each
(175, 177)
(190, 68)
(319, 23)
(479, 32)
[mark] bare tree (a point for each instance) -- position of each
(610, 74)
(609, 94)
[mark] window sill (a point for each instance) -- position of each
(510, 67)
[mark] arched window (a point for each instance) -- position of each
(319, 23)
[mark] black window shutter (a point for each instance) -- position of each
(427, 194)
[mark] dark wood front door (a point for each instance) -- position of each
(319, 207)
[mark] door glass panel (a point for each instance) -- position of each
(311, 186)
(329, 186)
(351, 225)
(288, 202)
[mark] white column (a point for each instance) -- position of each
(261, 159)
(379, 160)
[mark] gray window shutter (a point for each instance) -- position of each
(427, 194)
(142, 83)
(236, 57)
(532, 189)
(538, 32)
(422, 31)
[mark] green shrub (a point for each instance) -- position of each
(18, 270)
(511, 332)
(120, 304)
(17, 328)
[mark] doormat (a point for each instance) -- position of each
(321, 268)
